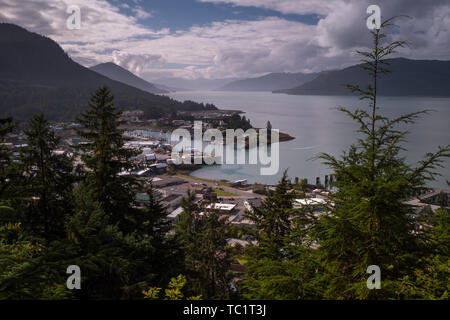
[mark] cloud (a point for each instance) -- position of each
(100, 20)
(233, 48)
(141, 13)
(286, 6)
(136, 63)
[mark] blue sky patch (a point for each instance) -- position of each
(183, 14)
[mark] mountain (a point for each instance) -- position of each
(270, 82)
(194, 84)
(407, 78)
(169, 89)
(115, 72)
(36, 76)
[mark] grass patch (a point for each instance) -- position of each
(242, 261)
(220, 183)
(223, 193)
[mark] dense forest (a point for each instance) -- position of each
(53, 215)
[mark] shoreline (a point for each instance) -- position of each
(283, 137)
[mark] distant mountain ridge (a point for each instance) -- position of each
(115, 72)
(36, 75)
(193, 84)
(169, 88)
(407, 78)
(270, 82)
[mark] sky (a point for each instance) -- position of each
(216, 39)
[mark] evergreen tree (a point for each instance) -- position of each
(203, 241)
(22, 274)
(440, 233)
(272, 221)
(105, 157)
(155, 225)
(215, 255)
(137, 245)
(7, 181)
(281, 264)
(114, 265)
(369, 223)
(154, 218)
(429, 280)
(47, 179)
(6, 126)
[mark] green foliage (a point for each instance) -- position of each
(90, 221)
(114, 264)
(430, 281)
(152, 223)
(223, 193)
(300, 254)
(237, 122)
(51, 218)
(6, 126)
(152, 293)
(282, 280)
(281, 265)
(105, 157)
(369, 223)
(272, 221)
(203, 241)
(173, 291)
(47, 180)
(440, 233)
(24, 271)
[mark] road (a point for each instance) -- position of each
(239, 199)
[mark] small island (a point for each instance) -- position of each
(211, 119)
